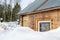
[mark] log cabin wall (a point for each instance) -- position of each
(47, 16)
(31, 20)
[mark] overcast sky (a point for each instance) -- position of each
(23, 3)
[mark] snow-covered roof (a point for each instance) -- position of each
(32, 6)
(35, 4)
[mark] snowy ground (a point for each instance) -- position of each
(12, 31)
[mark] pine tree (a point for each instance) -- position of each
(8, 14)
(1, 11)
(16, 9)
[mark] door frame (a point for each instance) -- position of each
(39, 24)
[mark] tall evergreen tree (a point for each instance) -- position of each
(16, 9)
(1, 11)
(8, 13)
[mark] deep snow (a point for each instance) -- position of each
(12, 31)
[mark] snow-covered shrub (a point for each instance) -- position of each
(8, 25)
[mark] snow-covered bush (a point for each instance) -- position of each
(8, 25)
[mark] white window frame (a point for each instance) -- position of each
(39, 24)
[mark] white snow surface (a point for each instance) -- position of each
(13, 31)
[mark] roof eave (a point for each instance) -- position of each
(43, 10)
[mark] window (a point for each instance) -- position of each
(43, 26)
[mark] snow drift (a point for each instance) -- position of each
(16, 32)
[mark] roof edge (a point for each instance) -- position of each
(43, 10)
